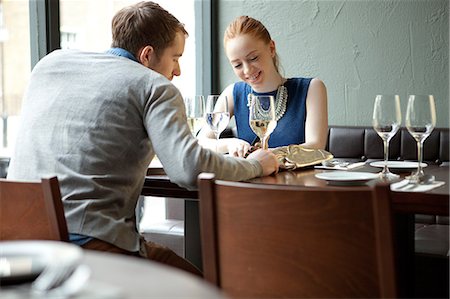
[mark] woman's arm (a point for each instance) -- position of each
(316, 126)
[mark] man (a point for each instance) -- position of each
(96, 120)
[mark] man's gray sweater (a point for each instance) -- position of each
(96, 121)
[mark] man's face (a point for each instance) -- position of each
(168, 65)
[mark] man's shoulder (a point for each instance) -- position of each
(66, 56)
(65, 52)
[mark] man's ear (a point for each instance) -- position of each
(146, 56)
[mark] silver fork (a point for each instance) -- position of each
(335, 162)
(424, 180)
(408, 186)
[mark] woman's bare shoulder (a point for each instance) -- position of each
(317, 83)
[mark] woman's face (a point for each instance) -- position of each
(252, 60)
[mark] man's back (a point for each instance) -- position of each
(96, 121)
(83, 121)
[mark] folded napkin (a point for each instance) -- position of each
(405, 186)
(295, 156)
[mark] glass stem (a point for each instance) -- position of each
(264, 143)
(217, 143)
(386, 155)
(419, 157)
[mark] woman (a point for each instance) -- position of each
(302, 102)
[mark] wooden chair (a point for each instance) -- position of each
(32, 210)
(297, 242)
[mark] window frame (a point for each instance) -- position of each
(44, 28)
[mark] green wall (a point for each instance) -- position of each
(358, 48)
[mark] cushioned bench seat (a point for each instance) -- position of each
(168, 232)
(432, 239)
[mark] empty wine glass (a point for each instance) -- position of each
(217, 115)
(262, 117)
(386, 121)
(195, 111)
(420, 122)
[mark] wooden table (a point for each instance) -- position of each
(139, 278)
(117, 276)
(405, 205)
(434, 202)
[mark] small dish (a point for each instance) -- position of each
(398, 166)
(346, 178)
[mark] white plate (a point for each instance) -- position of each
(400, 165)
(346, 178)
(23, 261)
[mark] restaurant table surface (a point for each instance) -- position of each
(117, 276)
(405, 205)
(434, 201)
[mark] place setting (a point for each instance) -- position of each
(386, 122)
(420, 121)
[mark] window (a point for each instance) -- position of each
(31, 29)
(14, 67)
(90, 23)
(69, 39)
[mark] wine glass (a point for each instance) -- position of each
(262, 117)
(217, 115)
(195, 111)
(386, 121)
(420, 121)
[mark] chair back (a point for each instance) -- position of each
(289, 241)
(32, 210)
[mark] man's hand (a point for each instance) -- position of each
(267, 159)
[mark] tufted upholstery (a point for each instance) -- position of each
(363, 143)
(4, 163)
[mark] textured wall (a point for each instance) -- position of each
(358, 48)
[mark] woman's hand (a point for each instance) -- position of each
(237, 147)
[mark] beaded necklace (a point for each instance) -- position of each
(280, 103)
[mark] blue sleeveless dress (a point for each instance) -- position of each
(290, 128)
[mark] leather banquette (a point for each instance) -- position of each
(363, 143)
